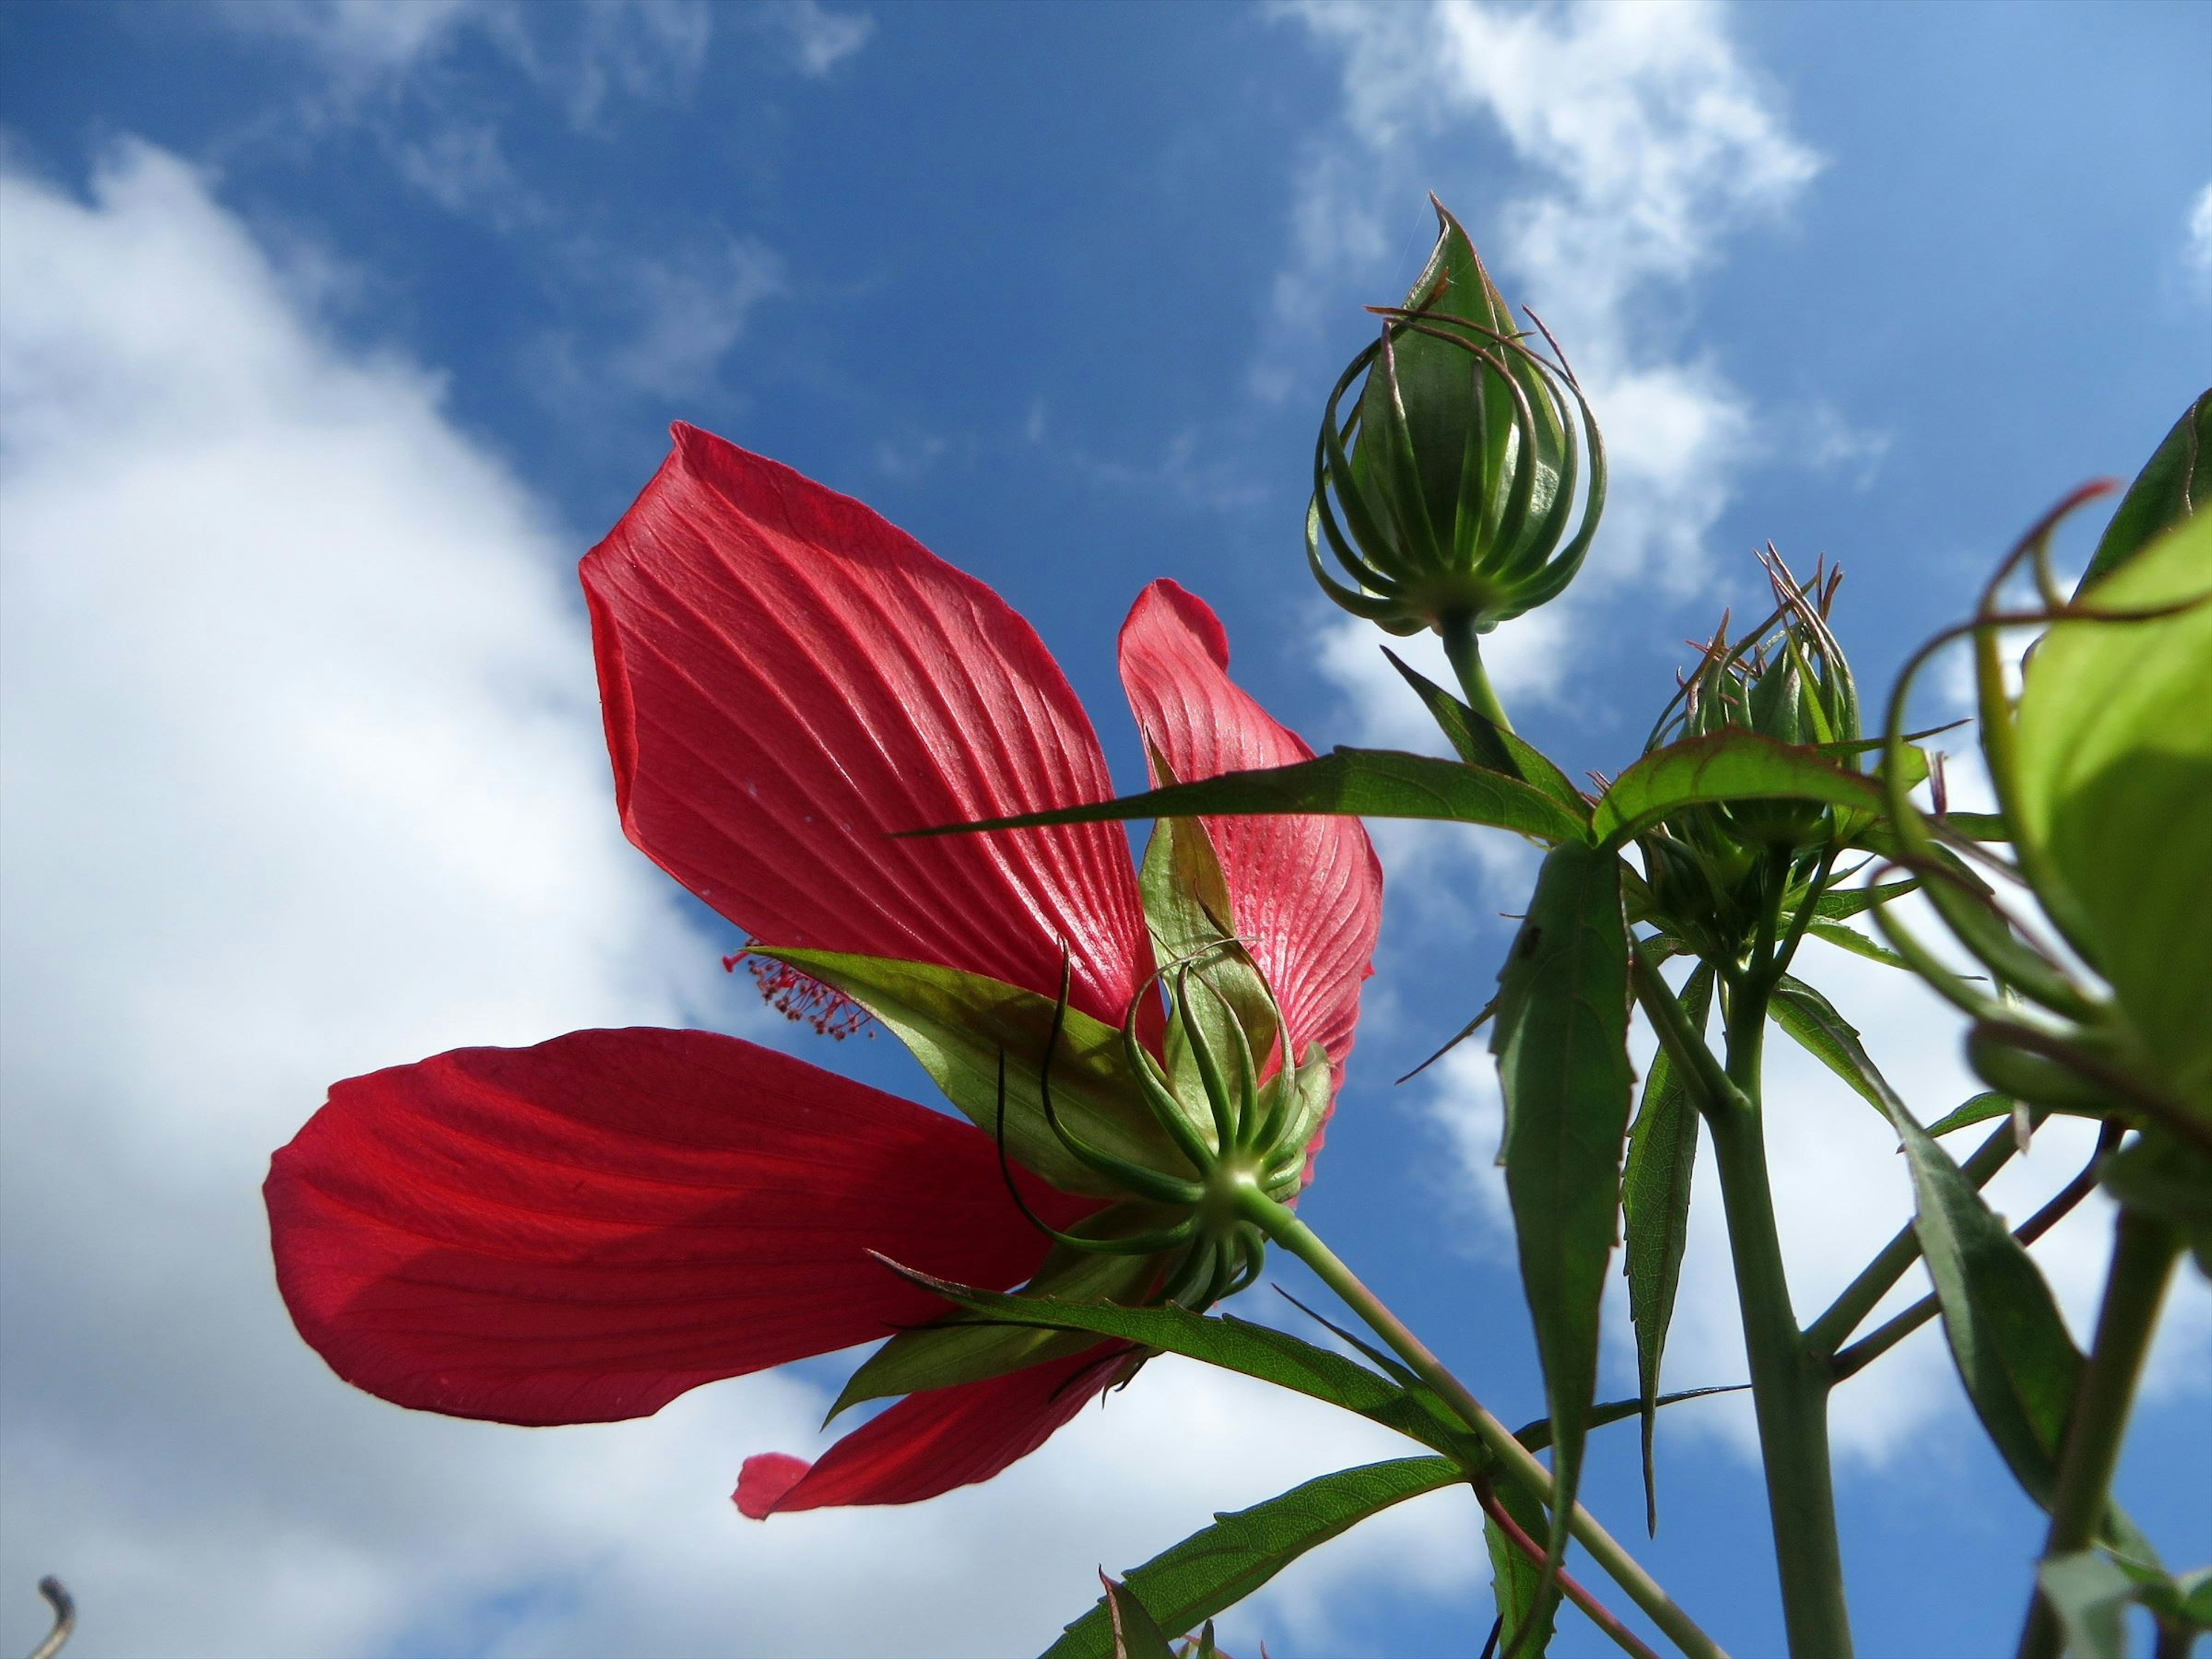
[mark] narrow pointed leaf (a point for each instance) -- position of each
(1655, 1200)
(1839, 902)
(1562, 1047)
(957, 1025)
(2020, 1366)
(1979, 1109)
(1375, 783)
(1730, 765)
(1236, 1345)
(1214, 1569)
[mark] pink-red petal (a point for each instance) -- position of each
(581, 1231)
(787, 680)
(1307, 890)
(931, 1443)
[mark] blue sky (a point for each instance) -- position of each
(333, 334)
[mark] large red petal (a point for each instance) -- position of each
(931, 1443)
(582, 1230)
(787, 680)
(1307, 890)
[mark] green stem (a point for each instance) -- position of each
(2143, 1254)
(1789, 1384)
(1282, 1225)
(1461, 645)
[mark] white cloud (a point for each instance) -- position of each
(355, 39)
(2196, 248)
(303, 776)
(662, 323)
(821, 39)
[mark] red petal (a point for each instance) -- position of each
(582, 1230)
(787, 679)
(1307, 890)
(931, 1443)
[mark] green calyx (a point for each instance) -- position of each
(1451, 492)
(1714, 871)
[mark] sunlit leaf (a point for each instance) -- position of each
(1730, 765)
(2176, 482)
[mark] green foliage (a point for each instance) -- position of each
(1481, 742)
(1214, 1569)
(1562, 1047)
(1371, 783)
(2176, 482)
(2113, 797)
(1726, 765)
(1654, 1200)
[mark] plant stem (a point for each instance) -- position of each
(1593, 1609)
(1789, 1384)
(2143, 1254)
(1282, 1225)
(1461, 645)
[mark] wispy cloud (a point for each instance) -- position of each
(2197, 242)
(821, 39)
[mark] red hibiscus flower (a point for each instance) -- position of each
(581, 1231)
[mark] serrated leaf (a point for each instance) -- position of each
(1730, 765)
(1481, 743)
(1849, 938)
(1375, 783)
(1562, 1047)
(2020, 1366)
(2176, 482)
(1215, 1568)
(1131, 1629)
(1813, 1022)
(1655, 1198)
(1839, 902)
(957, 1025)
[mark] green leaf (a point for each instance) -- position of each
(1813, 1021)
(1481, 743)
(2091, 1596)
(2113, 797)
(1375, 783)
(1130, 1627)
(1214, 1569)
(1849, 938)
(1655, 1201)
(2020, 1366)
(1839, 902)
(1190, 915)
(958, 1349)
(1730, 765)
(1561, 1046)
(1981, 1109)
(1233, 1344)
(2174, 483)
(1527, 1597)
(958, 1025)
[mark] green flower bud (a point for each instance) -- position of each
(1448, 494)
(1708, 867)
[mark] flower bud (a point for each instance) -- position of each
(1448, 494)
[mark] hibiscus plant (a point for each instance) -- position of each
(868, 764)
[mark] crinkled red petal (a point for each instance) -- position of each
(787, 680)
(1307, 890)
(582, 1230)
(931, 1443)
